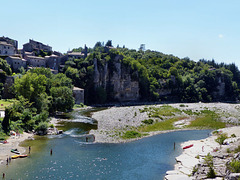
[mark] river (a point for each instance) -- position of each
(73, 158)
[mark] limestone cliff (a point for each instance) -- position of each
(116, 79)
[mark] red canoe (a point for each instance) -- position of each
(23, 155)
(186, 147)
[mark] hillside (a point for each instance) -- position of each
(110, 74)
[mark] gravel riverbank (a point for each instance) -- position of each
(115, 120)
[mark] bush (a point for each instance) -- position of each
(131, 134)
(41, 129)
(221, 138)
(148, 121)
(234, 166)
(211, 173)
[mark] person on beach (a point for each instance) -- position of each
(10, 159)
(29, 149)
(7, 161)
(51, 152)
(202, 148)
(3, 175)
(86, 139)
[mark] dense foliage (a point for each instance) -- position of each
(38, 92)
(183, 79)
(5, 70)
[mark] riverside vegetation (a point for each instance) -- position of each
(164, 117)
(40, 93)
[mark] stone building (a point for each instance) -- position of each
(10, 41)
(16, 63)
(75, 55)
(36, 46)
(78, 94)
(6, 49)
(52, 62)
(35, 61)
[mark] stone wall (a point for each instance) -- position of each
(78, 94)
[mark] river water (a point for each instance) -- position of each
(73, 158)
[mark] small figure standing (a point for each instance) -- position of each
(174, 146)
(10, 159)
(86, 139)
(29, 148)
(7, 161)
(51, 152)
(3, 175)
(202, 148)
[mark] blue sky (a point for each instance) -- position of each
(185, 28)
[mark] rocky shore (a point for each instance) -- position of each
(191, 164)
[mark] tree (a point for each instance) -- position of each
(30, 86)
(109, 43)
(62, 98)
(5, 66)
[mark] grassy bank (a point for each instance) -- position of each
(207, 120)
(163, 118)
(6, 102)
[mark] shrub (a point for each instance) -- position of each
(148, 121)
(211, 173)
(234, 166)
(195, 169)
(51, 126)
(220, 139)
(131, 134)
(42, 128)
(209, 161)
(233, 135)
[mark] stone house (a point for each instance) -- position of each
(35, 61)
(78, 94)
(52, 62)
(75, 55)
(16, 62)
(6, 49)
(36, 46)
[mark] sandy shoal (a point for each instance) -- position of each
(12, 143)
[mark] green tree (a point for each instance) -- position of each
(62, 98)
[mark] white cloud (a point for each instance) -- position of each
(220, 36)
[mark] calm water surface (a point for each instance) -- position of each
(72, 158)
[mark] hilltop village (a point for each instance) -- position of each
(107, 74)
(35, 54)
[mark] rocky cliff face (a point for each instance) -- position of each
(115, 78)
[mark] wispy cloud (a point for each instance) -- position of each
(220, 36)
